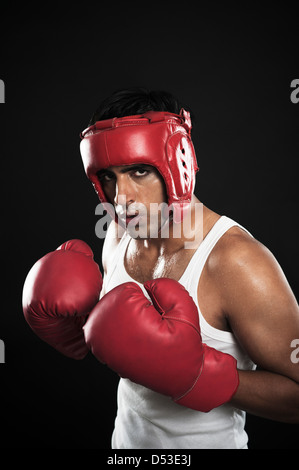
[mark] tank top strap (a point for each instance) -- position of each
(194, 269)
(118, 257)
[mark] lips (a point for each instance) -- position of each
(131, 214)
(127, 217)
(130, 218)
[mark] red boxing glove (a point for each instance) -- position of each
(59, 292)
(159, 345)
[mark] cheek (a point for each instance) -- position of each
(155, 190)
(109, 191)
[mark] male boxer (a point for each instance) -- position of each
(183, 327)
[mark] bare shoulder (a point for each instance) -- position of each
(256, 300)
(248, 277)
(238, 252)
(112, 239)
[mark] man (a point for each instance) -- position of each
(184, 324)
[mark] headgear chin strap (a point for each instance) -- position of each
(155, 138)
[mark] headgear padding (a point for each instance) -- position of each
(160, 139)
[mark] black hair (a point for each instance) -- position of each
(137, 100)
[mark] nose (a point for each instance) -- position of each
(125, 191)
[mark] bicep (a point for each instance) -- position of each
(263, 312)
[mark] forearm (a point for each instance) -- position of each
(268, 395)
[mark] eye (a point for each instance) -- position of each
(105, 176)
(139, 172)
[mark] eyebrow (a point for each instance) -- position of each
(126, 168)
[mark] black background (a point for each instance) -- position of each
(233, 67)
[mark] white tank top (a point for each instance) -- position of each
(149, 420)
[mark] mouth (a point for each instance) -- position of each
(130, 218)
(131, 215)
(127, 217)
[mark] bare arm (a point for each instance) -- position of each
(268, 395)
(264, 316)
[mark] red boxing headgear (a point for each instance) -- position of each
(155, 138)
